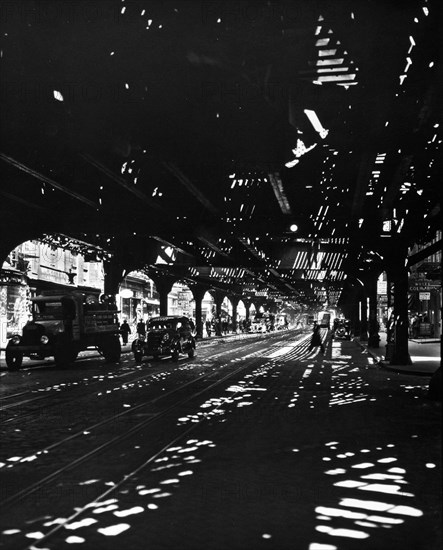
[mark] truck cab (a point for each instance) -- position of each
(62, 325)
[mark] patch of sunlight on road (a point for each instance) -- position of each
(279, 352)
(373, 514)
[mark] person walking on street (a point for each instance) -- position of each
(316, 339)
(141, 328)
(125, 331)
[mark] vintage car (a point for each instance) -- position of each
(167, 335)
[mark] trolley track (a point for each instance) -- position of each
(184, 433)
(115, 441)
(50, 395)
(133, 410)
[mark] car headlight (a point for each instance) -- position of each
(15, 339)
(165, 337)
(44, 339)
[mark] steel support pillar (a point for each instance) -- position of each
(373, 325)
(399, 275)
(363, 316)
(163, 284)
(198, 292)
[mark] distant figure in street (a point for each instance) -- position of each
(316, 339)
(125, 331)
(141, 327)
(208, 327)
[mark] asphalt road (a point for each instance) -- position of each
(254, 443)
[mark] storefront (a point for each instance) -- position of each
(14, 302)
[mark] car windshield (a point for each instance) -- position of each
(158, 325)
(47, 310)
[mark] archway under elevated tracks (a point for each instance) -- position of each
(286, 153)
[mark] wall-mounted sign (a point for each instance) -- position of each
(126, 293)
(424, 295)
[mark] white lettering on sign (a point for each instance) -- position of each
(424, 296)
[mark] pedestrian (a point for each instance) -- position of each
(316, 339)
(141, 328)
(125, 331)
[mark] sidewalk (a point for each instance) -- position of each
(425, 356)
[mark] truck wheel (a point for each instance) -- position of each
(111, 350)
(14, 359)
(138, 356)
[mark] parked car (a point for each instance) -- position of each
(167, 335)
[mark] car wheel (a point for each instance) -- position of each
(14, 359)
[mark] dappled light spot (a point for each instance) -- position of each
(430, 465)
(363, 465)
(104, 509)
(148, 491)
(82, 523)
(367, 504)
(162, 495)
(387, 460)
(350, 533)
(406, 511)
(381, 476)
(338, 512)
(89, 482)
(129, 512)
(152, 506)
(365, 524)
(383, 519)
(335, 472)
(384, 488)
(319, 546)
(37, 535)
(73, 539)
(113, 530)
(397, 470)
(56, 521)
(11, 532)
(349, 483)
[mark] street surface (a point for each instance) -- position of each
(254, 443)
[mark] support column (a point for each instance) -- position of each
(198, 292)
(363, 316)
(163, 284)
(247, 304)
(234, 302)
(399, 274)
(435, 390)
(114, 274)
(373, 325)
(218, 297)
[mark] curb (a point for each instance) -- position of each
(392, 368)
(399, 370)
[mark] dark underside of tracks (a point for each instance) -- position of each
(186, 138)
